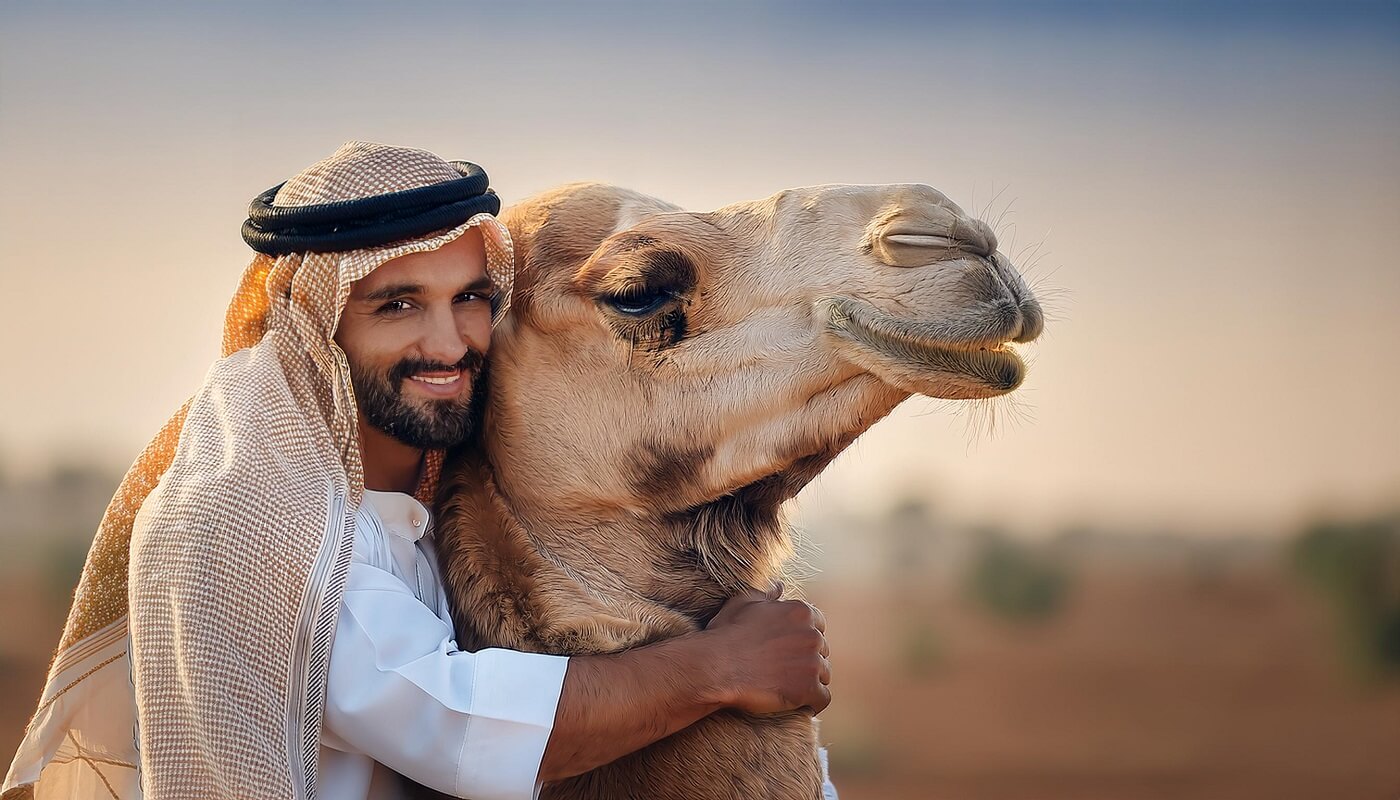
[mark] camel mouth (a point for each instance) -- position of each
(903, 354)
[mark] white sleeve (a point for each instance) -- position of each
(468, 724)
(828, 790)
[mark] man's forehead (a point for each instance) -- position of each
(459, 262)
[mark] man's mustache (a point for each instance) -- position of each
(471, 361)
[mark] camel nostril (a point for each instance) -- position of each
(1007, 321)
(1008, 316)
(1032, 321)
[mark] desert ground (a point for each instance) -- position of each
(1161, 677)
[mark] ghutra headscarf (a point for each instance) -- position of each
(208, 601)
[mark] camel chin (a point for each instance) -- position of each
(905, 355)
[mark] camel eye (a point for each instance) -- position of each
(921, 240)
(638, 302)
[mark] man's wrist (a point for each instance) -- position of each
(711, 668)
(617, 703)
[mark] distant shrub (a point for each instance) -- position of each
(921, 650)
(1356, 567)
(1016, 582)
(910, 538)
(63, 565)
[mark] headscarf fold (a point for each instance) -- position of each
(208, 601)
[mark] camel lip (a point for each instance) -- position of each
(901, 353)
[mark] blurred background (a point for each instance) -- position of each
(1169, 566)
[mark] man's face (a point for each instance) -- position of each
(415, 332)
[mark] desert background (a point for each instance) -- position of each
(1167, 567)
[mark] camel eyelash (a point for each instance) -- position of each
(651, 331)
(639, 301)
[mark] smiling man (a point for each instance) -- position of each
(286, 626)
(419, 328)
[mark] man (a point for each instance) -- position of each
(288, 631)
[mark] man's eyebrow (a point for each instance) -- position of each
(393, 290)
(482, 284)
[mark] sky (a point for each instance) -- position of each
(1206, 195)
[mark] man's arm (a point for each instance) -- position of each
(497, 722)
(759, 654)
(399, 691)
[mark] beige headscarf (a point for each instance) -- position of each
(235, 529)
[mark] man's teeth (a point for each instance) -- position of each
(438, 381)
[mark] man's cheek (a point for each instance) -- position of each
(479, 333)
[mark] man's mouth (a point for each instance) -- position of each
(438, 379)
(439, 385)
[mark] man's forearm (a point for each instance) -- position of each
(612, 705)
(758, 654)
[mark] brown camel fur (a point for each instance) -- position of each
(664, 382)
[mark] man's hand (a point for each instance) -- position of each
(759, 654)
(773, 654)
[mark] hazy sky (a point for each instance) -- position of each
(1210, 199)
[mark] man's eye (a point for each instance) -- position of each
(394, 307)
(467, 297)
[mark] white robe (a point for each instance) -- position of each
(401, 696)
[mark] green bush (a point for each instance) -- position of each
(1016, 582)
(63, 565)
(1356, 567)
(921, 650)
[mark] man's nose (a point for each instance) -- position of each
(442, 341)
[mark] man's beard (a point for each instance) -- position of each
(428, 424)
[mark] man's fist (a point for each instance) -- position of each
(772, 653)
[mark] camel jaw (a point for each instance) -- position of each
(921, 357)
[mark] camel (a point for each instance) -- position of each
(664, 382)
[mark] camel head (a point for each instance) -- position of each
(663, 382)
(658, 359)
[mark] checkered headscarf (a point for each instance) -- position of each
(234, 527)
